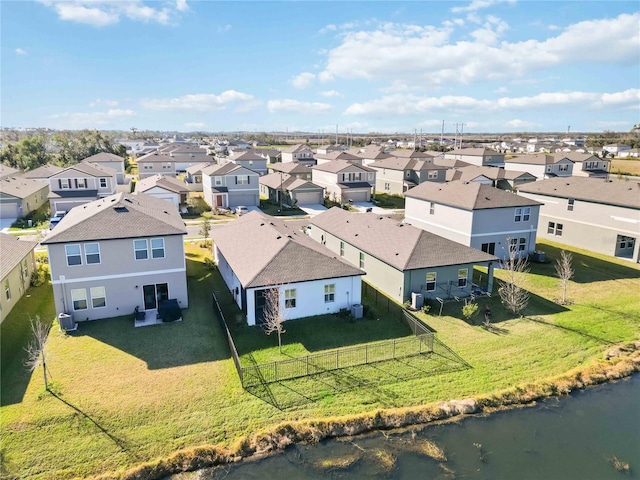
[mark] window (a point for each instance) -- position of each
(98, 297)
(433, 174)
(522, 244)
(387, 186)
(570, 204)
(518, 215)
(251, 163)
(563, 168)
(79, 299)
(342, 249)
(25, 269)
(513, 244)
(166, 166)
(432, 208)
(526, 214)
(558, 229)
(290, 298)
(242, 180)
(64, 183)
(489, 248)
(463, 273)
(81, 183)
(548, 168)
(92, 253)
(217, 181)
(329, 293)
(7, 289)
(157, 248)
(551, 228)
(141, 249)
(147, 166)
(103, 183)
(73, 255)
(361, 260)
(431, 282)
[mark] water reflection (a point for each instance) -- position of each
(593, 434)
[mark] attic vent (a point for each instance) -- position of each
(401, 225)
(121, 209)
(356, 234)
(487, 198)
(278, 237)
(262, 224)
(289, 236)
(113, 200)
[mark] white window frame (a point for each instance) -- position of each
(330, 293)
(79, 295)
(517, 217)
(432, 174)
(103, 183)
(463, 277)
(65, 183)
(432, 208)
(522, 244)
(86, 254)
(153, 249)
(430, 281)
(81, 183)
(240, 179)
(341, 248)
(7, 289)
(387, 186)
(570, 204)
(98, 293)
(559, 229)
(563, 167)
(526, 214)
(361, 260)
(290, 298)
(136, 249)
(79, 254)
(217, 181)
(551, 228)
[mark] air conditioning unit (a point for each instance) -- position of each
(417, 300)
(66, 322)
(357, 311)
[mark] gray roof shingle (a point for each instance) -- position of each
(264, 251)
(12, 252)
(467, 195)
(21, 187)
(400, 245)
(123, 215)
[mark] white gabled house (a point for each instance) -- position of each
(230, 185)
(310, 279)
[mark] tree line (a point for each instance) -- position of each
(63, 149)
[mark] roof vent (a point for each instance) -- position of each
(121, 209)
(356, 234)
(487, 198)
(278, 237)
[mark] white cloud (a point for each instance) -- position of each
(200, 102)
(476, 5)
(289, 105)
(20, 51)
(412, 55)
(331, 94)
(409, 104)
(517, 123)
(104, 103)
(303, 80)
(92, 119)
(195, 125)
(101, 13)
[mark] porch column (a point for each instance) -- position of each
(490, 278)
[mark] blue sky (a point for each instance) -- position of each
(496, 66)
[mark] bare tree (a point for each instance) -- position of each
(564, 270)
(36, 350)
(205, 226)
(511, 290)
(274, 314)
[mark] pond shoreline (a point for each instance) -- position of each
(620, 361)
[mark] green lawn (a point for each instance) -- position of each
(271, 209)
(131, 395)
(384, 200)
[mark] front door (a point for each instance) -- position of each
(218, 200)
(153, 294)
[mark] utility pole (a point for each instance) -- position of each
(442, 134)
(336, 134)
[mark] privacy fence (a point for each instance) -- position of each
(420, 343)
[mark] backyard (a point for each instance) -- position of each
(126, 395)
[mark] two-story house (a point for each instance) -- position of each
(299, 154)
(495, 176)
(596, 214)
(344, 181)
(477, 156)
(396, 175)
(20, 196)
(185, 155)
(109, 160)
(79, 184)
(17, 262)
(297, 170)
(156, 163)
(230, 185)
(541, 165)
(474, 214)
(248, 159)
(334, 155)
(194, 173)
(370, 153)
(166, 188)
(116, 254)
(400, 259)
(586, 164)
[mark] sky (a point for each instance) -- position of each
(185, 65)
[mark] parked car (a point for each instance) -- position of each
(56, 218)
(241, 210)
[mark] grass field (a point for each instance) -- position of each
(624, 166)
(128, 395)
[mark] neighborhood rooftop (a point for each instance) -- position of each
(468, 195)
(20, 187)
(12, 251)
(123, 215)
(168, 183)
(336, 166)
(398, 244)
(597, 190)
(45, 171)
(267, 251)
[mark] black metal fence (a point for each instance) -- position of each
(421, 342)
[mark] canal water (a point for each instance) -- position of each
(593, 434)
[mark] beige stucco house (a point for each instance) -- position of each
(20, 196)
(17, 262)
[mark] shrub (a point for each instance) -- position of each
(469, 310)
(210, 263)
(40, 274)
